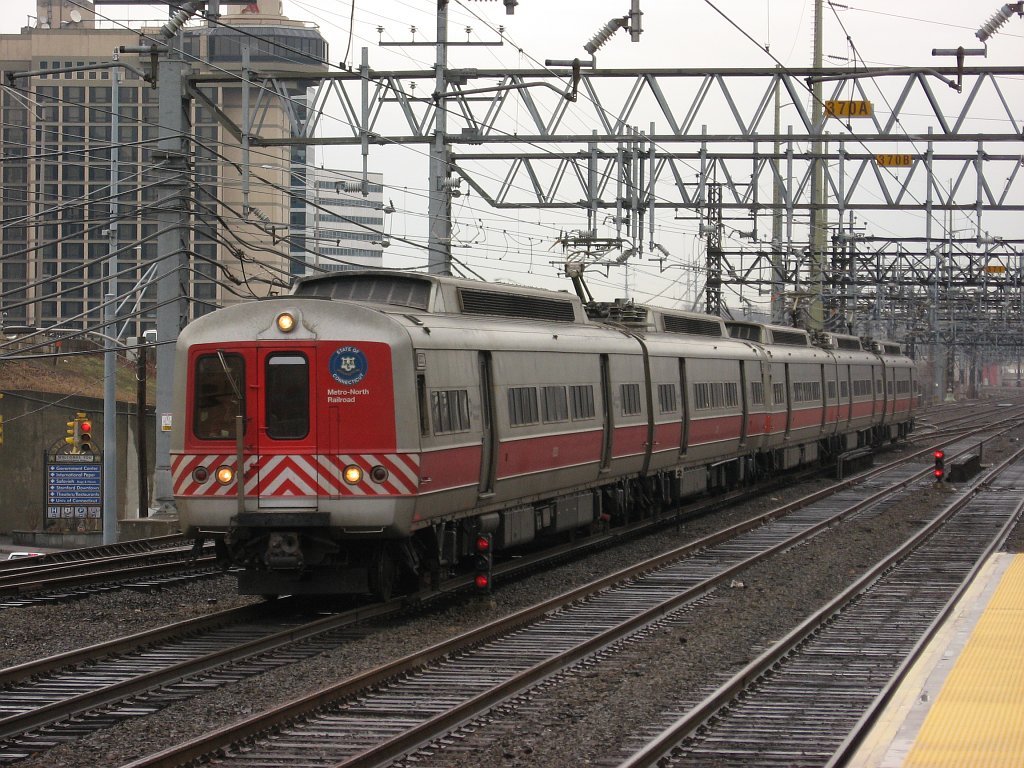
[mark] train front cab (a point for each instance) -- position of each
(319, 450)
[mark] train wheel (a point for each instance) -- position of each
(382, 572)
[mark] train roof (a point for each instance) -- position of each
(438, 294)
(412, 293)
(762, 333)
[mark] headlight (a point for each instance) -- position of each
(200, 474)
(379, 474)
(225, 474)
(286, 322)
(352, 474)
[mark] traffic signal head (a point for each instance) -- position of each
(940, 465)
(85, 436)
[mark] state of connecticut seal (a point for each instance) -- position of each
(348, 365)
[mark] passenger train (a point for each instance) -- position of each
(361, 431)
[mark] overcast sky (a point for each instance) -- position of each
(677, 33)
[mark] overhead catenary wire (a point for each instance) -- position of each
(419, 245)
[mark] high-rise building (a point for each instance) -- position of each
(65, 130)
(345, 219)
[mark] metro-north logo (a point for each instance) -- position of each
(348, 366)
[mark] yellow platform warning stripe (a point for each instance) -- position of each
(978, 718)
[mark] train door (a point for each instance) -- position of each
(824, 398)
(220, 395)
(488, 445)
(848, 379)
(606, 414)
(684, 439)
(287, 468)
(891, 375)
(878, 387)
(744, 403)
(789, 401)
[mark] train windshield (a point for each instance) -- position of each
(287, 396)
(216, 402)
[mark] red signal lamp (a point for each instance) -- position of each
(483, 562)
(86, 426)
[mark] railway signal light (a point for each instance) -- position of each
(483, 562)
(940, 466)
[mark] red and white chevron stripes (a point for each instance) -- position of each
(282, 475)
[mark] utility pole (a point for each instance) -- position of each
(109, 320)
(778, 286)
(818, 217)
(439, 205)
(171, 170)
(713, 289)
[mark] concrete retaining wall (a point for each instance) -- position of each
(33, 422)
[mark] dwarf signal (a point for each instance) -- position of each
(483, 562)
(940, 466)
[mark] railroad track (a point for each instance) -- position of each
(387, 712)
(830, 677)
(100, 685)
(72, 579)
(152, 564)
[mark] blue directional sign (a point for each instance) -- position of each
(74, 486)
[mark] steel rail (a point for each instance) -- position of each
(28, 584)
(104, 695)
(472, 706)
(661, 748)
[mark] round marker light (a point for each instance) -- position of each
(286, 322)
(225, 474)
(200, 474)
(352, 474)
(482, 581)
(379, 474)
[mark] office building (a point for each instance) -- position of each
(65, 131)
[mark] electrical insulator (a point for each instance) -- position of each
(604, 33)
(510, 7)
(999, 18)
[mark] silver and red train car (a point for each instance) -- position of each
(377, 422)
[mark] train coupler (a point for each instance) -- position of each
(284, 551)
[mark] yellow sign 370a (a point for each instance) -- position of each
(834, 108)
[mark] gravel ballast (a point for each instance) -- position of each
(585, 717)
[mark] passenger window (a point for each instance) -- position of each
(287, 396)
(450, 409)
(216, 404)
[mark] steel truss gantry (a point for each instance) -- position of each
(703, 125)
(651, 144)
